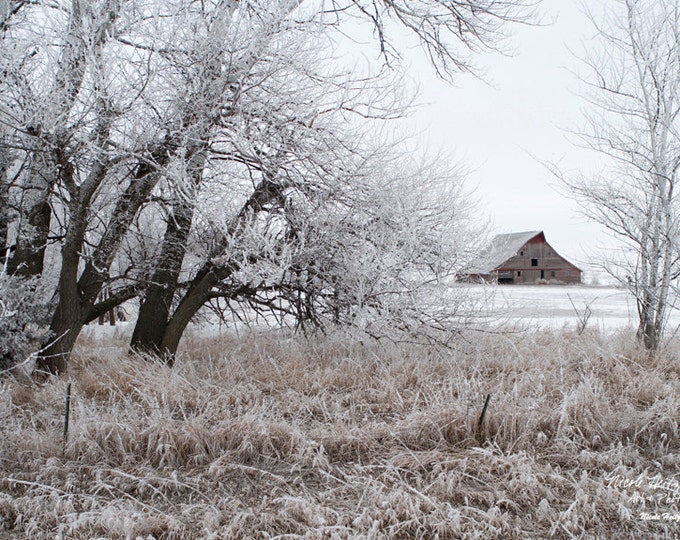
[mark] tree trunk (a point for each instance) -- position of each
(647, 334)
(67, 322)
(69, 315)
(153, 316)
(28, 257)
(208, 276)
(77, 296)
(34, 226)
(4, 203)
(155, 309)
(197, 295)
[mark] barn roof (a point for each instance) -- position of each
(501, 248)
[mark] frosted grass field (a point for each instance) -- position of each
(254, 436)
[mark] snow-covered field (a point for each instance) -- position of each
(551, 306)
(525, 306)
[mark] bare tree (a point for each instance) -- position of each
(92, 145)
(383, 257)
(635, 82)
(47, 114)
(288, 145)
(210, 78)
(272, 156)
(9, 11)
(115, 111)
(374, 252)
(448, 31)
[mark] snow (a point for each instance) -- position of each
(525, 306)
(551, 306)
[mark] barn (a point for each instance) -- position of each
(524, 257)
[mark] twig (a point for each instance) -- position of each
(33, 355)
(584, 317)
(12, 480)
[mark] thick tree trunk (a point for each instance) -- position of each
(28, 256)
(153, 316)
(208, 276)
(77, 296)
(155, 309)
(67, 322)
(197, 295)
(69, 315)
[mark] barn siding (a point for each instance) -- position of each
(554, 266)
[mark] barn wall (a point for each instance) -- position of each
(549, 265)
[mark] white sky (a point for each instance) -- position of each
(504, 129)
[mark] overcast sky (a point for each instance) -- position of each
(503, 130)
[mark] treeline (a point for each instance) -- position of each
(215, 153)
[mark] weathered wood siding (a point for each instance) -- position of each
(537, 260)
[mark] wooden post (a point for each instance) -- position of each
(67, 411)
(481, 416)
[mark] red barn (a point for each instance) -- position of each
(524, 257)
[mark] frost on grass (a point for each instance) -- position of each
(265, 437)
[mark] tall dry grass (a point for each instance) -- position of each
(269, 436)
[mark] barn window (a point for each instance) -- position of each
(534, 262)
(552, 273)
(521, 254)
(519, 273)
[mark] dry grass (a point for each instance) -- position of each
(266, 437)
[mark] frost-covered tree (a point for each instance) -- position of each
(449, 31)
(290, 149)
(83, 110)
(116, 113)
(257, 88)
(382, 258)
(634, 76)
(286, 138)
(366, 245)
(9, 11)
